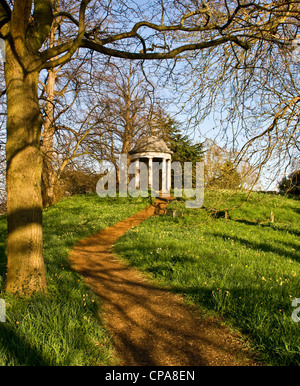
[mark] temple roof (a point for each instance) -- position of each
(150, 144)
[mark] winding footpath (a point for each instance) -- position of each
(150, 325)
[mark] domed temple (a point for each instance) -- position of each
(150, 150)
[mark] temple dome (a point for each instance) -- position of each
(150, 144)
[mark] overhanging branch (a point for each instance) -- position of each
(162, 55)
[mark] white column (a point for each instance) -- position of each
(150, 173)
(168, 175)
(164, 176)
(137, 174)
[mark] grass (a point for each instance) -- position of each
(64, 327)
(246, 269)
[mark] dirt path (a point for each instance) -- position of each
(150, 325)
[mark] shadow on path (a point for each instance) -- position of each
(150, 325)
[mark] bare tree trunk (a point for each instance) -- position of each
(125, 150)
(25, 265)
(48, 174)
(129, 124)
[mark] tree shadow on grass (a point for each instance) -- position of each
(262, 245)
(149, 325)
(17, 350)
(277, 227)
(3, 259)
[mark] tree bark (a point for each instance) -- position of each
(48, 174)
(25, 265)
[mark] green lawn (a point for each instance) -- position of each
(63, 327)
(246, 269)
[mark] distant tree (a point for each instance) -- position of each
(291, 184)
(220, 170)
(227, 177)
(184, 150)
(125, 93)
(77, 180)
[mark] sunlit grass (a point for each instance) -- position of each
(63, 327)
(245, 269)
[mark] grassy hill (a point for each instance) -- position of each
(245, 269)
